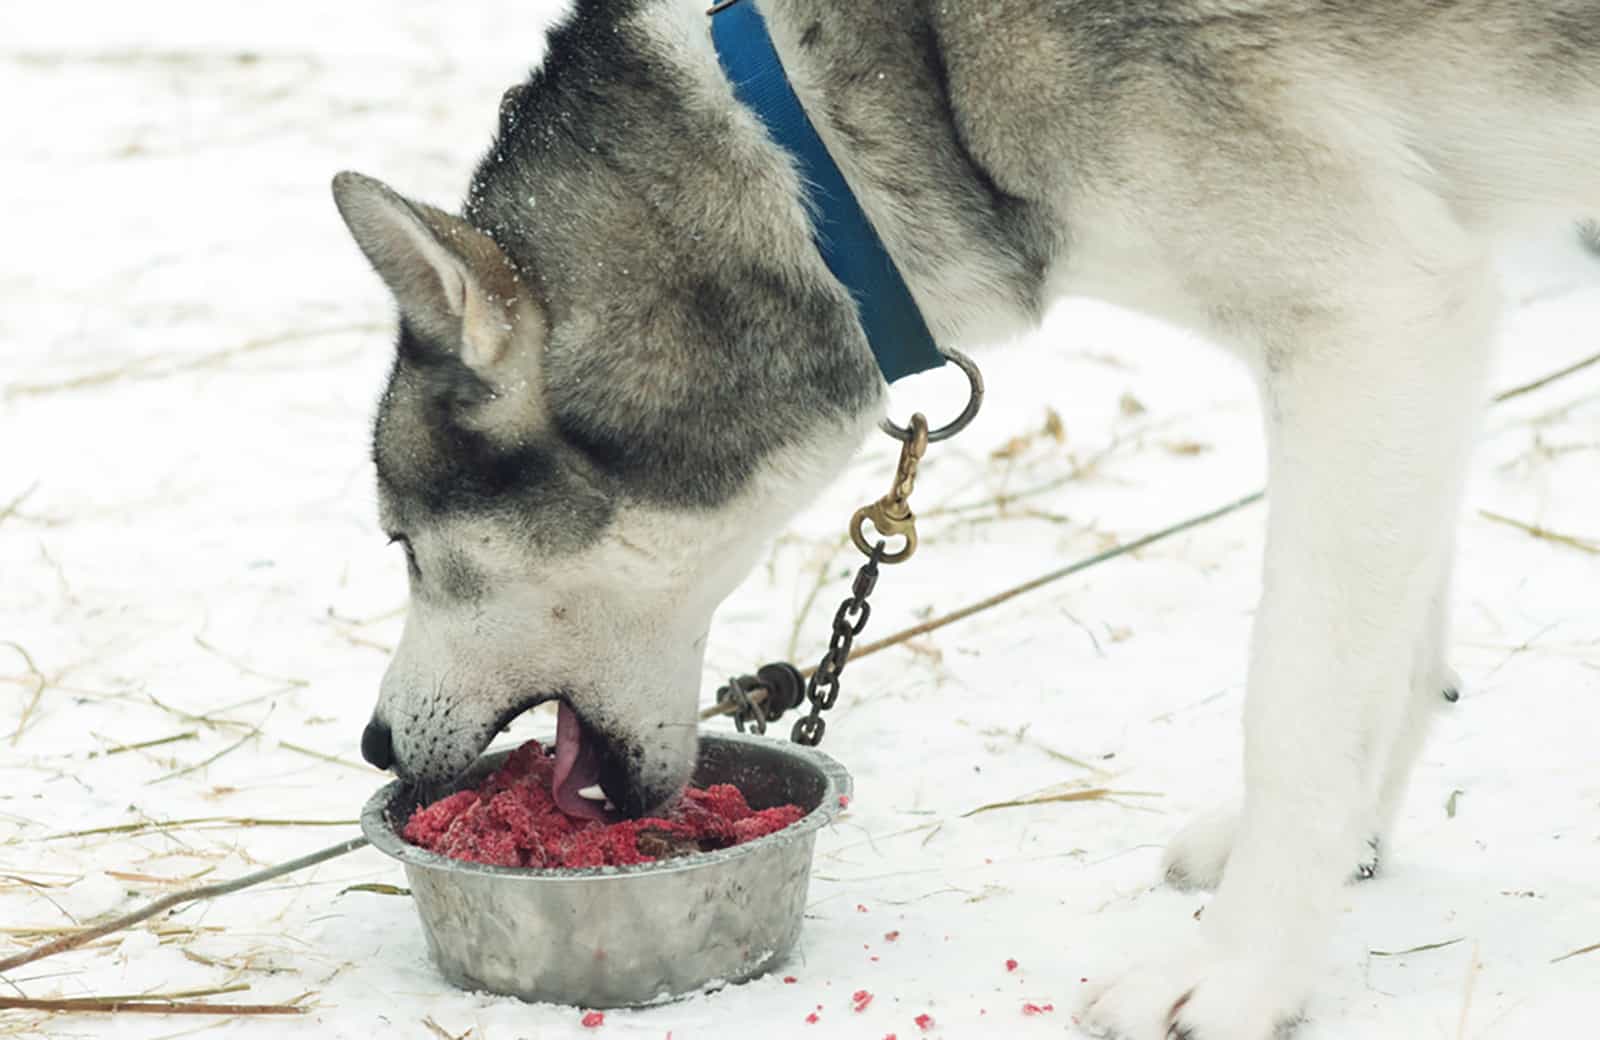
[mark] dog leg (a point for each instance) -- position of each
(1197, 857)
(1371, 412)
(1433, 683)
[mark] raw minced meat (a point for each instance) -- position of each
(512, 820)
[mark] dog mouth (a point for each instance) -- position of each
(580, 763)
(584, 763)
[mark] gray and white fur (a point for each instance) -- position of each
(624, 363)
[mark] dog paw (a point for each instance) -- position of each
(1196, 858)
(1199, 994)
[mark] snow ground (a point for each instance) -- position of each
(192, 350)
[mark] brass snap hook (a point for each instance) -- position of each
(891, 515)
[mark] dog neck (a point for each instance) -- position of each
(874, 83)
(843, 235)
(873, 80)
(696, 335)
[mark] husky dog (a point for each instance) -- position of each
(623, 362)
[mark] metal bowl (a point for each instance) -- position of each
(607, 937)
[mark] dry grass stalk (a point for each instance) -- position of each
(323, 756)
(1544, 381)
(1041, 515)
(1028, 586)
(1473, 969)
(1571, 541)
(175, 899)
(182, 994)
(1054, 429)
(143, 744)
(154, 879)
(154, 367)
(255, 731)
(439, 1031)
(148, 1006)
(247, 670)
(1543, 451)
(1081, 469)
(1417, 949)
(210, 962)
(361, 641)
(28, 882)
(934, 624)
(1092, 794)
(167, 932)
(1062, 756)
(10, 508)
(36, 679)
(210, 719)
(1577, 953)
(872, 840)
(824, 574)
(355, 622)
(69, 877)
(1001, 502)
(208, 822)
(376, 888)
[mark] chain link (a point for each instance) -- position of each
(822, 689)
(778, 683)
(891, 516)
(755, 700)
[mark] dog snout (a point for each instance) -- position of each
(377, 744)
(639, 776)
(632, 795)
(635, 798)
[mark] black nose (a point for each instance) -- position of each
(376, 745)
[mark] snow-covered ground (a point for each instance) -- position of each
(190, 350)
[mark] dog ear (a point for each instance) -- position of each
(453, 283)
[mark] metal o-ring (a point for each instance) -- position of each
(974, 402)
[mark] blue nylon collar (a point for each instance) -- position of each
(844, 236)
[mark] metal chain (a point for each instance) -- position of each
(755, 700)
(822, 689)
(891, 515)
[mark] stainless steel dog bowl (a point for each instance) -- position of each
(625, 936)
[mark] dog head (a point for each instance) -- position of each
(616, 376)
(542, 565)
(531, 579)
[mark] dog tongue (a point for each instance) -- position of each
(577, 767)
